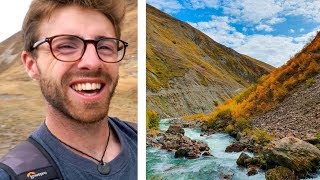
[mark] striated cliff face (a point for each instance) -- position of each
(187, 96)
(187, 72)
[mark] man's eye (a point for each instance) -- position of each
(106, 48)
(66, 46)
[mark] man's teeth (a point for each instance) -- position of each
(86, 86)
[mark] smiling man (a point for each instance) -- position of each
(73, 49)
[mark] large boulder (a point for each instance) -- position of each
(280, 173)
(182, 152)
(295, 154)
(202, 146)
(192, 150)
(248, 162)
(241, 160)
(256, 161)
(175, 141)
(175, 129)
(235, 147)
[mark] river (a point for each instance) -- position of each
(161, 164)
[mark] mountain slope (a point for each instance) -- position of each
(187, 71)
(298, 114)
(285, 102)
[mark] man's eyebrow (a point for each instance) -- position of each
(100, 37)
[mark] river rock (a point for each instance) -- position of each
(257, 161)
(280, 173)
(235, 147)
(243, 156)
(187, 152)
(295, 154)
(245, 143)
(153, 141)
(182, 152)
(187, 123)
(227, 176)
(203, 146)
(173, 140)
(253, 170)
(160, 139)
(175, 129)
(204, 127)
(206, 153)
(193, 155)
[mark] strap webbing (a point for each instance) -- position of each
(28, 159)
(47, 156)
(9, 171)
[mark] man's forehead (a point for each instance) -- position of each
(77, 20)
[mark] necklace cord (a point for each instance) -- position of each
(104, 152)
(105, 149)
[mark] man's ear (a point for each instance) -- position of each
(30, 65)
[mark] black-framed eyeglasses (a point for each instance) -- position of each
(70, 48)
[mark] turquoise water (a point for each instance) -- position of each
(162, 164)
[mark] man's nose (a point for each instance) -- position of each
(90, 59)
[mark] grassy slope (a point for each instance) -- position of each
(174, 47)
(273, 88)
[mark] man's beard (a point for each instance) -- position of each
(85, 112)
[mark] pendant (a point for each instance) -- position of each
(103, 168)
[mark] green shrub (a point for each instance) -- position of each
(310, 82)
(224, 114)
(221, 119)
(153, 120)
(229, 129)
(242, 124)
(318, 135)
(216, 102)
(247, 131)
(261, 136)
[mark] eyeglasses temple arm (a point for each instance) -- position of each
(38, 43)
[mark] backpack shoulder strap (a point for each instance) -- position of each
(30, 160)
(10, 172)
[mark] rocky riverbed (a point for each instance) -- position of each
(174, 140)
(285, 158)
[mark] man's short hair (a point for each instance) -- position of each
(39, 10)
